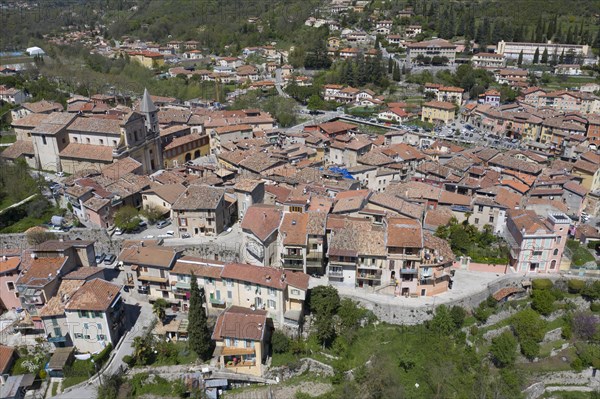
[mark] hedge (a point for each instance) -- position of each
(542, 284)
(576, 286)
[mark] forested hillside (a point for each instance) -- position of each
(221, 23)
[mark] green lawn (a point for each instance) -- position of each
(31, 221)
(79, 371)
(182, 355)
(549, 364)
(7, 139)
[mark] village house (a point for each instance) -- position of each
(9, 273)
(488, 60)
(260, 228)
(203, 211)
(242, 338)
(11, 95)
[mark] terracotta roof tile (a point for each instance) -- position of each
(95, 295)
(262, 220)
(241, 323)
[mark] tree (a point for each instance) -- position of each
(536, 55)
(391, 64)
(585, 325)
(199, 335)
(442, 323)
(127, 218)
(528, 324)
(280, 342)
(324, 302)
(520, 60)
(504, 349)
(152, 213)
(37, 235)
(458, 315)
(543, 302)
(545, 56)
(158, 308)
(396, 74)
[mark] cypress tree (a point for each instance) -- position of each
(570, 36)
(199, 335)
(396, 74)
(536, 55)
(390, 65)
(520, 60)
(545, 56)
(561, 60)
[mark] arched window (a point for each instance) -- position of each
(552, 264)
(556, 252)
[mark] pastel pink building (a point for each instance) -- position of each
(536, 244)
(9, 272)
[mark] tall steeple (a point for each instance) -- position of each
(150, 112)
(147, 105)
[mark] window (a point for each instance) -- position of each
(537, 253)
(229, 295)
(227, 341)
(101, 142)
(85, 326)
(491, 219)
(271, 304)
(101, 337)
(552, 264)
(99, 326)
(75, 139)
(476, 220)
(555, 252)
(272, 291)
(86, 337)
(10, 285)
(78, 335)
(87, 140)
(480, 209)
(57, 332)
(248, 343)
(248, 287)
(295, 292)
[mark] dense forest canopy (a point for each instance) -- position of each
(221, 24)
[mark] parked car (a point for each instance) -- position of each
(118, 232)
(170, 233)
(110, 258)
(185, 235)
(143, 223)
(100, 258)
(163, 223)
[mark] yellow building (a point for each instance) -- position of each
(185, 148)
(149, 59)
(242, 337)
(589, 173)
(438, 111)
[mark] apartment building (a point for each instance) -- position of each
(488, 60)
(147, 268)
(9, 273)
(96, 316)
(431, 48)
(281, 293)
(536, 243)
(511, 50)
(438, 112)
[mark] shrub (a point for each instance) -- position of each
(542, 284)
(595, 307)
(101, 357)
(576, 286)
(474, 330)
(280, 342)
(482, 312)
(566, 333)
(128, 360)
(577, 365)
(529, 348)
(458, 315)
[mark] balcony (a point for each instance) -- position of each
(57, 339)
(335, 273)
(217, 301)
(292, 265)
(369, 276)
(367, 267)
(345, 262)
(409, 271)
(292, 256)
(405, 256)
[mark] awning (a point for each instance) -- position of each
(293, 315)
(231, 350)
(153, 279)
